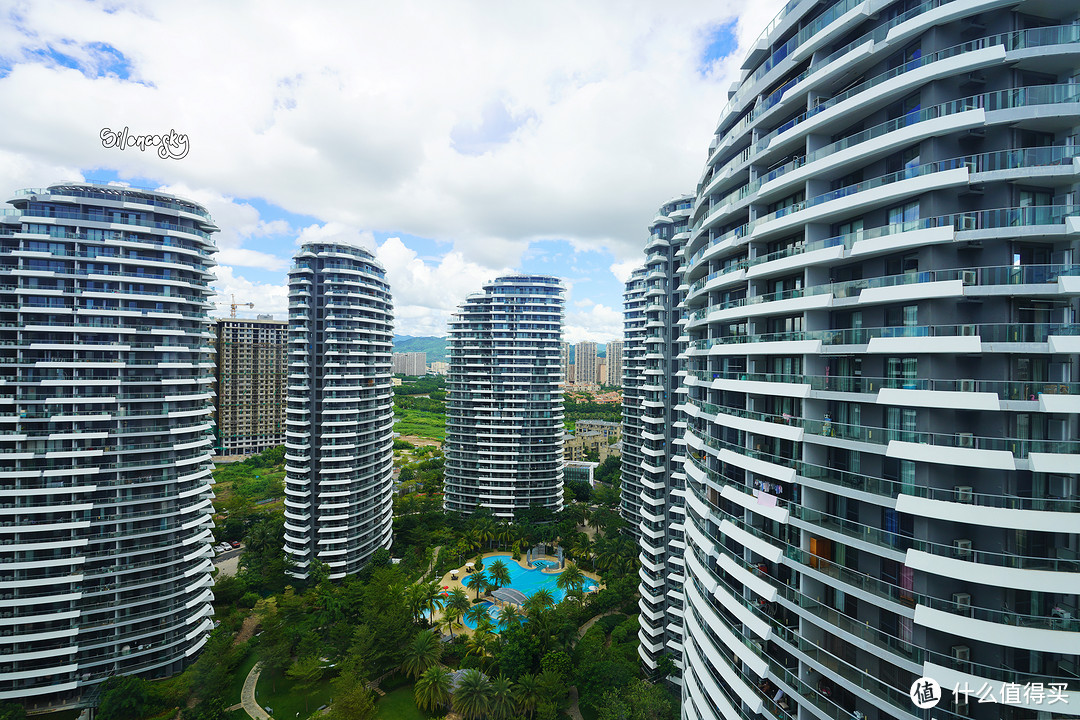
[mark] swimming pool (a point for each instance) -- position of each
(493, 611)
(529, 581)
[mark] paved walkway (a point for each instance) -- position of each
(247, 695)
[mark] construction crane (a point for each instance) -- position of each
(233, 305)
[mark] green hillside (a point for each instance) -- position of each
(435, 347)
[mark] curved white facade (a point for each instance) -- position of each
(882, 368)
(340, 417)
(504, 411)
(106, 376)
(653, 481)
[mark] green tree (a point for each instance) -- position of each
(424, 652)
(527, 694)
(353, 700)
(450, 617)
(306, 672)
(502, 705)
(126, 698)
(12, 711)
(472, 698)
(477, 581)
(432, 690)
(540, 600)
(571, 578)
(639, 701)
(509, 616)
(500, 574)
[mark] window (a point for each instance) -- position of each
(907, 216)
(901, 264)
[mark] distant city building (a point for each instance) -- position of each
(585, 361)
(564, 362)
(439, 368)
(251, 373)
(578, 444)
(339, 446)
(583, 471)
(601, 371)
(410, 363)
(614, 363)
(106, 388)
(504, 413)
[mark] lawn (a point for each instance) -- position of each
(399, 705)
(239, 677)
(420, 423)
(287, 703)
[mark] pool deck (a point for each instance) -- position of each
(450, 583)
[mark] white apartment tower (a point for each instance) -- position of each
(654, 486)
(883, 441)
(585, 363)
(339, 426)
(564, 362)
(106, 416)
(504, 412)
(614, 363)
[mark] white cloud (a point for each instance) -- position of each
(600, 323)
(581, 118)
(426, 294)
(336, 232)
(268, 298)
(252, 259)
(622, 270)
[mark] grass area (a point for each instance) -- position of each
(421, 423)
(59, 715)
(242, 671)
(279, 693)
(399, 705)
(237, 715)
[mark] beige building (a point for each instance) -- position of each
(251, 377)
(585, 362)
(592, 435)
(614, 363)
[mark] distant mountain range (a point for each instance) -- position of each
(435, 347)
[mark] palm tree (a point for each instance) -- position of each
(542, 599)
(432, 690)
(476, 613)
(422, 653)
(527, 693)
(509, 616)
(458, 600)
(583, 547)
(414, 598)
(433, 599)
(502, 703)
(477, 645)
(477, 581)
(451, 617)
(506, 534)
(485, 626)
(485, 529)
(571, 578)
(500, 574)
(472, 698)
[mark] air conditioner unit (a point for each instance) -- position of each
(969, 277)
(967, 386)
(966, 222)
(964, 494)
(965, 440)
(962, 601)
(962, 549)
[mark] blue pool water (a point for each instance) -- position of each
(529, 581)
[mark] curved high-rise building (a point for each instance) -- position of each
(106, 382)
(883, 438)
(653, 482)
(504, 411)
(340, 418)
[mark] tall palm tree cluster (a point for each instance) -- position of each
(476, 696)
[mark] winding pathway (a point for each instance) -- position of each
(247, 695)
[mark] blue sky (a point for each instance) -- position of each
(455, 142)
